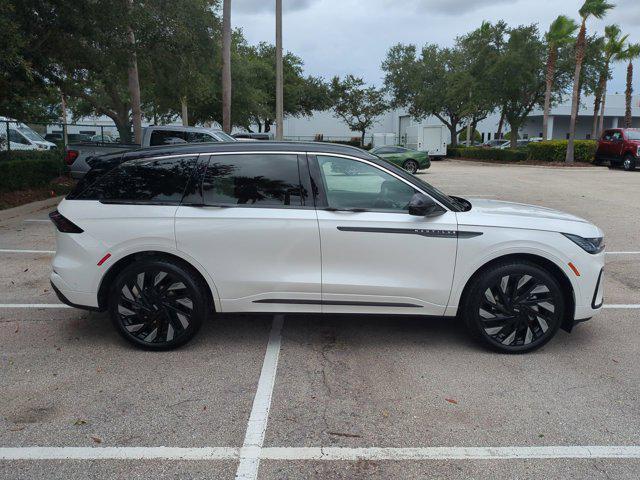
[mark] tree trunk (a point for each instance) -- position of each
(513, 136)
(267, 125)
(469, 134)
(500, 126)
(551, 67)
(602, 105)
(185, 111)
(134, 86)
(453, 129)
(63, 105)
(123, 125)
(362, 139)
(627, 110)
(580, 46)
(226, 66)
(596, 106)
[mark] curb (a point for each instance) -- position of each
(29, 208)
(549, 167)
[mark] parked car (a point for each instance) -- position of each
(410, 160)
(103, 139)
(21, 136)
(173, 234)
(77, 154)
(519, 143)
(252, 136)
(619, 147)
(496, 142)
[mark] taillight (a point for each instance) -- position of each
(70, 156)
(63, 224)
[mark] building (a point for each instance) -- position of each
(407, 129)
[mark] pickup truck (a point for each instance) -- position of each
(619, 147)
(77, 154)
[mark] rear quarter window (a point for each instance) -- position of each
(146, 181)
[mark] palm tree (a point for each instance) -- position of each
(560, 33)
(612, 49)
(590, 8)
(630, 53)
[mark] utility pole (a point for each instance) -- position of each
(279, 73)
(226, 66)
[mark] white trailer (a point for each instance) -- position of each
(433, 140)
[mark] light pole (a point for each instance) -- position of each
(226, 66)
(279, 73)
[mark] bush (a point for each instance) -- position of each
(556, 150)
(475, 136)
(27, 169)
(495, 154)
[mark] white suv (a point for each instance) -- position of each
(172, 234)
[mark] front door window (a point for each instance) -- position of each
(350, 184)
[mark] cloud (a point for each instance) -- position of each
(445, 7)
(264, 6)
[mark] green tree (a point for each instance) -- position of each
(590, 8)
(302, 95)
(629, 54)
(521, 76)
(559, 35)
(456, 85)
(613, 47)
(357, 105)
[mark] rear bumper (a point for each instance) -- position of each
(82, 300)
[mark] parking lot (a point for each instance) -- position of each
(327, 397)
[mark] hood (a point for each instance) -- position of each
(498, 207)
(496, 213)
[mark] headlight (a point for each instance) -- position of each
(589, 245)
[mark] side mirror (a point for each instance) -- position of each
(424, 206)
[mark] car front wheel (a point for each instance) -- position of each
(513, 307)
(157, 304)
(410, 166)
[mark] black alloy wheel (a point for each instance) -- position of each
(514, 308)
(411, 166)
(157, 304)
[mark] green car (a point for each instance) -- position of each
(410, 160)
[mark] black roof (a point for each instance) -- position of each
(263, 146)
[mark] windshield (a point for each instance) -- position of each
(633, 134)
(30, 134)
(224, 137)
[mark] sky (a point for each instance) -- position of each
(340, 37)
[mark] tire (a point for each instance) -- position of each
(513, 307)
(629, 162)
(157, 304)
(410, 166)
(597, 161)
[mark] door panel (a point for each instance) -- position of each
(376, 258)
(395, 258)
(252, 225)
(255, 255)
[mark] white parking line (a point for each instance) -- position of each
(622, 253)
(622, 305)
(323, 453)
(6, 250)
(34, 305)
(449, 453)
(37, 220)
(257, 425)
(117, 453)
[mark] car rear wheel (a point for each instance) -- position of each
(513, 307)
(157, 304)
(410, 166)
(629, 163)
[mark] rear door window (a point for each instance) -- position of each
(145, 181)
(167, 137)
(253, 180)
